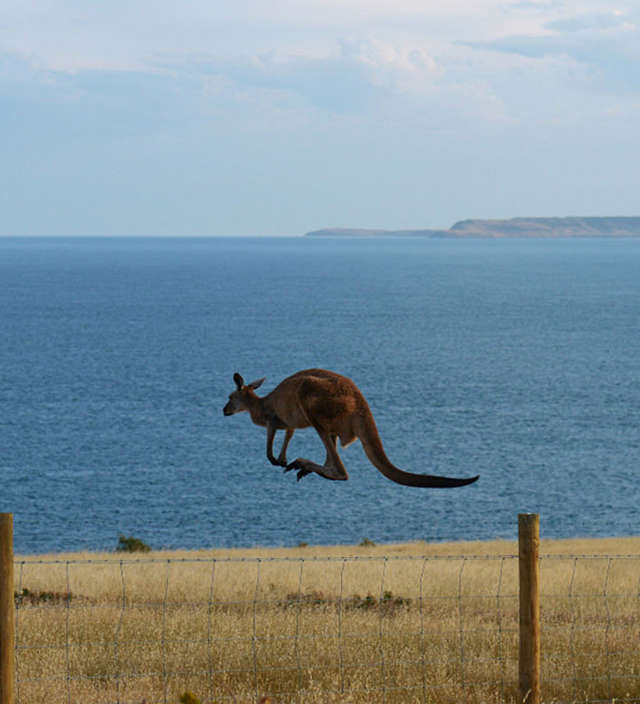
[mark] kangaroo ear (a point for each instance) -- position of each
(238, 380)
(256, 384)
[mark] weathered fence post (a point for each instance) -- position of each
(7, 608)
(529, 570)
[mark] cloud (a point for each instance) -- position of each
(606, 44)
(347, 77)
(598, 21)
(536, 5)
(70, 35)
(93, 103)
(334, 83)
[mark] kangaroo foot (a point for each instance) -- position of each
(299, 464)
(308, 467)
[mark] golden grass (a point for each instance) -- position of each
(416, 622)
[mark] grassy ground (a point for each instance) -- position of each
(415, 622)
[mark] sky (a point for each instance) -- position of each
(275, 117)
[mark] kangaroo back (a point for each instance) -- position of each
(367, 431)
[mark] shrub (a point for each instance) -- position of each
(35, 598)
(131, 544)
(189, 698)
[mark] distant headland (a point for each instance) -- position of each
(515, 227)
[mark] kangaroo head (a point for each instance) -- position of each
(242, 397)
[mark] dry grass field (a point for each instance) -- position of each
(419, 622)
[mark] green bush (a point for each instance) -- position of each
(131, 544)
(367, 543)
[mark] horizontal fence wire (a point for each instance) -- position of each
(314, 629)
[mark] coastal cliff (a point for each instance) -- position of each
(515, 227)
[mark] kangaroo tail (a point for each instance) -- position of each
(374, 450)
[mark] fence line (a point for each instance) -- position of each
(364, 628)
(257, 602)
(387, 615)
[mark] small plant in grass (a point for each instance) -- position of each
(35, 598)
(131, 544)
(367, 543)
(189, 698)
(388, 603)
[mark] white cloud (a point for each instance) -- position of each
(605, 44)
(74, 35)
(598, 21)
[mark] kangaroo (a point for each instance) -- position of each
(336, 408)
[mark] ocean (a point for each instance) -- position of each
(518, 360)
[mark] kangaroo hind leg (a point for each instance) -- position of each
(282, 457)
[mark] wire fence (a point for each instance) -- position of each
(426, 629)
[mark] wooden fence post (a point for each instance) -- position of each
(7, 610)
(529, 570)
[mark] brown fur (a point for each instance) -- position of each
(335, 407)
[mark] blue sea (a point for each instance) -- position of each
(518, 360)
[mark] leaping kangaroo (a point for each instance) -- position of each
(336, 408)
